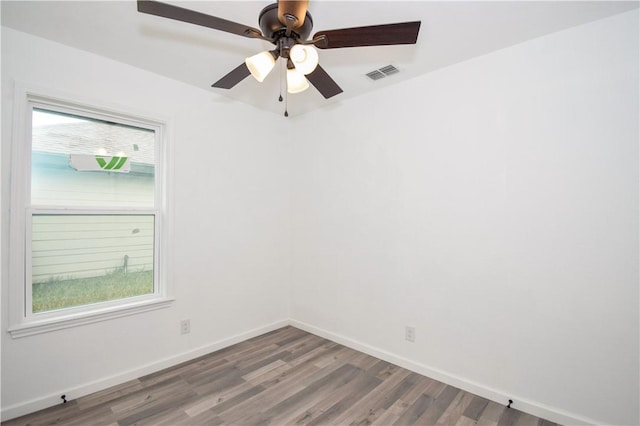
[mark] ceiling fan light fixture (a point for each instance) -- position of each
(296, 81)
(287, 24)
(260, 65)
(304, 57)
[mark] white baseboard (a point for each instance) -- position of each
(33, 405)
(501, 397)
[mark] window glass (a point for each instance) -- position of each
(79, 161)
(82, 259)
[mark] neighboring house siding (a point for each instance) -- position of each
(55, 183)
(79, 246)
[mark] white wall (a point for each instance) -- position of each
(492, 205)
(231, 230)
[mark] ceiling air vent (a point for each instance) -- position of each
(382, 72)
(389, 69)
(375, 75)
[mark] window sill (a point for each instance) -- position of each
(60, 323)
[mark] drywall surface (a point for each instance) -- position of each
(493, 206)
(231, 226)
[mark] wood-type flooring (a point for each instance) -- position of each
(285, 377)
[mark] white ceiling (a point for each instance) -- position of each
(451, 32)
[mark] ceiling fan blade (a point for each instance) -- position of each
(373, 35)
(185, 15)
(238, 74)
(297, 8)
(323, 82)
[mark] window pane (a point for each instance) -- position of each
(78, 161)
(83, 259)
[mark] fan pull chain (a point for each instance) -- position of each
(286, 101)
(280, 81)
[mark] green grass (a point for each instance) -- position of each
(60, 293)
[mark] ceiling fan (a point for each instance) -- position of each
(287, 24)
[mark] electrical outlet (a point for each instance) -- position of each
(410, 334)
(185, 326)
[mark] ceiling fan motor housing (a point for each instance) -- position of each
(274, 29)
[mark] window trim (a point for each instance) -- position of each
(21, 321)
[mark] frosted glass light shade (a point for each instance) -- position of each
(260, 65)
(304, 57)
(296, 82)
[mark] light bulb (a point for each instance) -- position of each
(304, 57)
(296, 82)
(260, 65)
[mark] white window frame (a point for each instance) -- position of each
(22, 322)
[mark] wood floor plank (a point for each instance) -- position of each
(325, 386)
(214, 412)
(314, 354)
(210, 401)
(415, 411)
(509, 417)
(223, 380)
(491, 414)
(301, 373)
(438, 406)
(165, 401)
(270, 375)
(264, 399)
(202, 380)
(465, 421)
(263, 370)
(454, 411)
(293, 337)
(251, 354)
(279, 337)
(418, 389)
(391, 415)
(108, 395)
(202, 363)
(379, 399)
(284, 377)
(475, 407)
(435, 388)
(148, 396)
(364, 361)
(171, 417)
(246, 365)
(362, 385)
(329, 358)
(320, 403)
(301, 346)
(204, 418)
(527, 420)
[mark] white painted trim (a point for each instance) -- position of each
(50, 400)
(531, 407)
(22, 322)
(88, 317)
